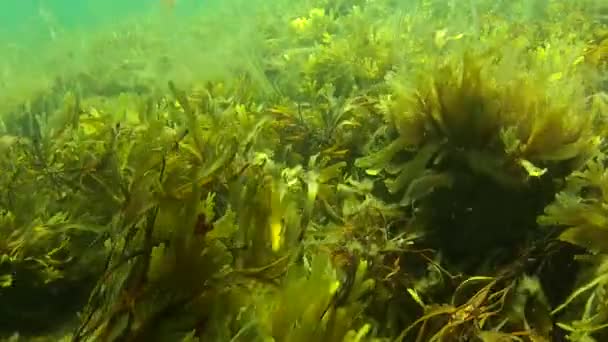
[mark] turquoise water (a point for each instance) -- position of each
(23, 13)
(42, 20)
(30, 16)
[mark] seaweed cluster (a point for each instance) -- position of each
(323, 171)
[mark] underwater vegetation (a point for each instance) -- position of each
(349, 170)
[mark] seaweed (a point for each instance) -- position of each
(332, 171)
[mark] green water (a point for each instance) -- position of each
(41, 21)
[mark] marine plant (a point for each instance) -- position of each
(327, 170)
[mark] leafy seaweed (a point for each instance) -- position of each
(321, 170)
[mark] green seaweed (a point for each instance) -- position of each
(326, 170)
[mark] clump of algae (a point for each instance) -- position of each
(389, 185)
